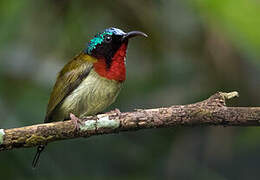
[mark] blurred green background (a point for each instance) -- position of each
(195, 48)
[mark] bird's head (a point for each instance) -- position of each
(105, 44)
(110, 47)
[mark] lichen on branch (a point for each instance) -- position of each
(212, 111)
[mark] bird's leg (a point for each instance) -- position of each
(117, 112)
(76, 121)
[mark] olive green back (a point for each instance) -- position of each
(68, 79)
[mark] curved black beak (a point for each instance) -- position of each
(133, 34)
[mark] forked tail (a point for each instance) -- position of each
(40, 148)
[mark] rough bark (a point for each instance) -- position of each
(212, 111)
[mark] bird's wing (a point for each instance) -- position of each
(68, 79)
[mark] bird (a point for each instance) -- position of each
(91, 81)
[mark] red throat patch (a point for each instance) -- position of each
(117, 69)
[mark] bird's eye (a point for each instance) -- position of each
(108, 39)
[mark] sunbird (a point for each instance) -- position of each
(91, 81)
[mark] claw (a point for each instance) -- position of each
(76, 121)
(118, 112)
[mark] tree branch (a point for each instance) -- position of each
(212, 111)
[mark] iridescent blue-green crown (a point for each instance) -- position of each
(99, 38)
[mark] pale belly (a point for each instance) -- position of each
(92, 96)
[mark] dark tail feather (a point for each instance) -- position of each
(40, 148)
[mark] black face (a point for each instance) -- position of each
(108, 47)
(104, 45)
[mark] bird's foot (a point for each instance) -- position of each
(76, 121)
(117, 112)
